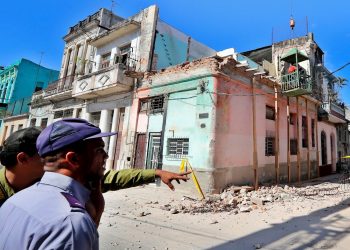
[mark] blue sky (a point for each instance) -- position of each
(31, 27)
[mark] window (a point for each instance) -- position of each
(270, 113)
(292, 118)
(269, 146)
(152, 105)
(68, 113)
(293, 146)
(178, 146)
(32, 122)
(124, 55)
(58, 114)
(12, 128)
(95, 118)
(79, 113)
(20, 126)
(43, 123)
(105, 60)
(304, 135)
(313, 132)
(39, 86)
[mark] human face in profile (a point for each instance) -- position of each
(96, 157)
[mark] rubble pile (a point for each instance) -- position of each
(244, 199)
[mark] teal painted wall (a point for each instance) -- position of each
(21, 83)
(171, 47)
(183, 121)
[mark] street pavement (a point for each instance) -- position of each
(135, 218)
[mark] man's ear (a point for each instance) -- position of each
(22, 158)
(73, 159)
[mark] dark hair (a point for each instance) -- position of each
(77, 147)
(22, 140)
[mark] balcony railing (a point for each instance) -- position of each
(87, 20)
(295, 84)
(61, 85)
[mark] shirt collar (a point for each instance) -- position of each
(67, 184)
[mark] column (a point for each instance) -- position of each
(105, 125)
(113, 140)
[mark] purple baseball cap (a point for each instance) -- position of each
(65, 132)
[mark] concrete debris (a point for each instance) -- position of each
(244, 199)
(174, 211)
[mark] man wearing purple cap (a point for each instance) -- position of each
(52, 214)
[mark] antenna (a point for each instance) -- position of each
(307, 25)
(112, 5)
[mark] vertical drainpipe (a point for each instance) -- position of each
(212, 145)
(255, 151)
(298, 139)
(308, 141)
(288, 140)
(277, 139)
(165, 107)
(317, 145)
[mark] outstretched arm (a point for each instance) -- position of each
(167, 177)
(119, 179)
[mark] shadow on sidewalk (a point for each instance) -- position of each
(299, 233)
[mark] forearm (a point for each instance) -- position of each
(114, 180)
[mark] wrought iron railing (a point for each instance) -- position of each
(61, 85)
(297, 82)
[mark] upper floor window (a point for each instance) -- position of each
(270, 113)
(124, 55)
(153, 105)
(105, 60)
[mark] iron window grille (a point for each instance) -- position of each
(269, 146)
(153, 105)
(177, 147)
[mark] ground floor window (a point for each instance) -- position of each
(177, 147)
(269, 146)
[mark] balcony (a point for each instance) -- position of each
(38, 99)
(332, 112)
(60, 89)
(295, 84)
(106, 81)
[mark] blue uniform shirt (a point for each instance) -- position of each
(48, 215)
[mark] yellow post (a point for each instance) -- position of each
(183, 166)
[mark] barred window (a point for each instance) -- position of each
(269, 146)
(293, 146)
(270, 113)
(178, 146)
(153, 105)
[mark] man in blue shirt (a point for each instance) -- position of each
(52, 213)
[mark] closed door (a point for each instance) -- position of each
(139, 158)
